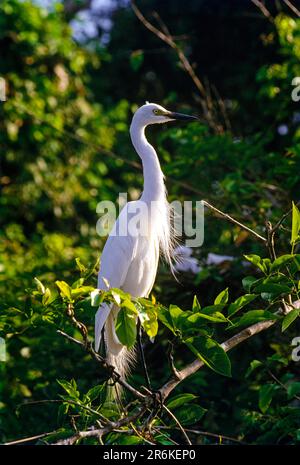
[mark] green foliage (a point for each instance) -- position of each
(65, 112)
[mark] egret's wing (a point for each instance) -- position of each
(116, 258)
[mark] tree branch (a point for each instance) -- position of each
(263, 9)
(234, 221)
(292, 7)
(101, 361)
(204, 433)
(227, 345)
(163, 392)
(105, 430)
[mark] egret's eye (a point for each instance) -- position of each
(156, 111)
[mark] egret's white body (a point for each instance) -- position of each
(129, 262)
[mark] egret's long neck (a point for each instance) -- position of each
(154, 187)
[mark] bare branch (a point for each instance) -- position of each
(30, 439)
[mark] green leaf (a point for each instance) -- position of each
(180, 399)
(262, 264)
(216, 317)
(80, 291)
(95, 392)
(95, 298)
(222, 298)
(240, 303)
(136, 59)
(290, 318)
(116, 296)
(211, 309)
(129, 440)
(46, 297)
(175, 313)
(126, 327)
(150, 323)
(265, 396)
(130, 306)
(190, 414)
(271, 290)
(211, 353)
(70, 387)
(248, 282)
(281, 261)
(65, 289)
(295, 224)
(293, 389)
(253, 365)
(165, 317)
(196, 304)
(40, 286)
(80, 266)
(254, 316)
(78, 283)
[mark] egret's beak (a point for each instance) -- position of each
(181, 116)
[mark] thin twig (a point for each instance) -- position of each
(281, 384)
(264, 10)
(234, 221)
(171, 361)
(204, 433)
(32, 438)
(292, 7)
(171, 414)
(271, 240)
(142, 355)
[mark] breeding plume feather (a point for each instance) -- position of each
(129, 261)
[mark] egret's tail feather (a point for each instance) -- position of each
(100, 319)
(118, 356)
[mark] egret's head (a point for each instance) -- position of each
(152, 113)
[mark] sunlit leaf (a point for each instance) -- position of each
(222, 298)
(211, 353)
(290, 318)
(126, 327)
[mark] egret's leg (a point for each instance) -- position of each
(141, 350)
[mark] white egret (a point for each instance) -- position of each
(129, 262)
